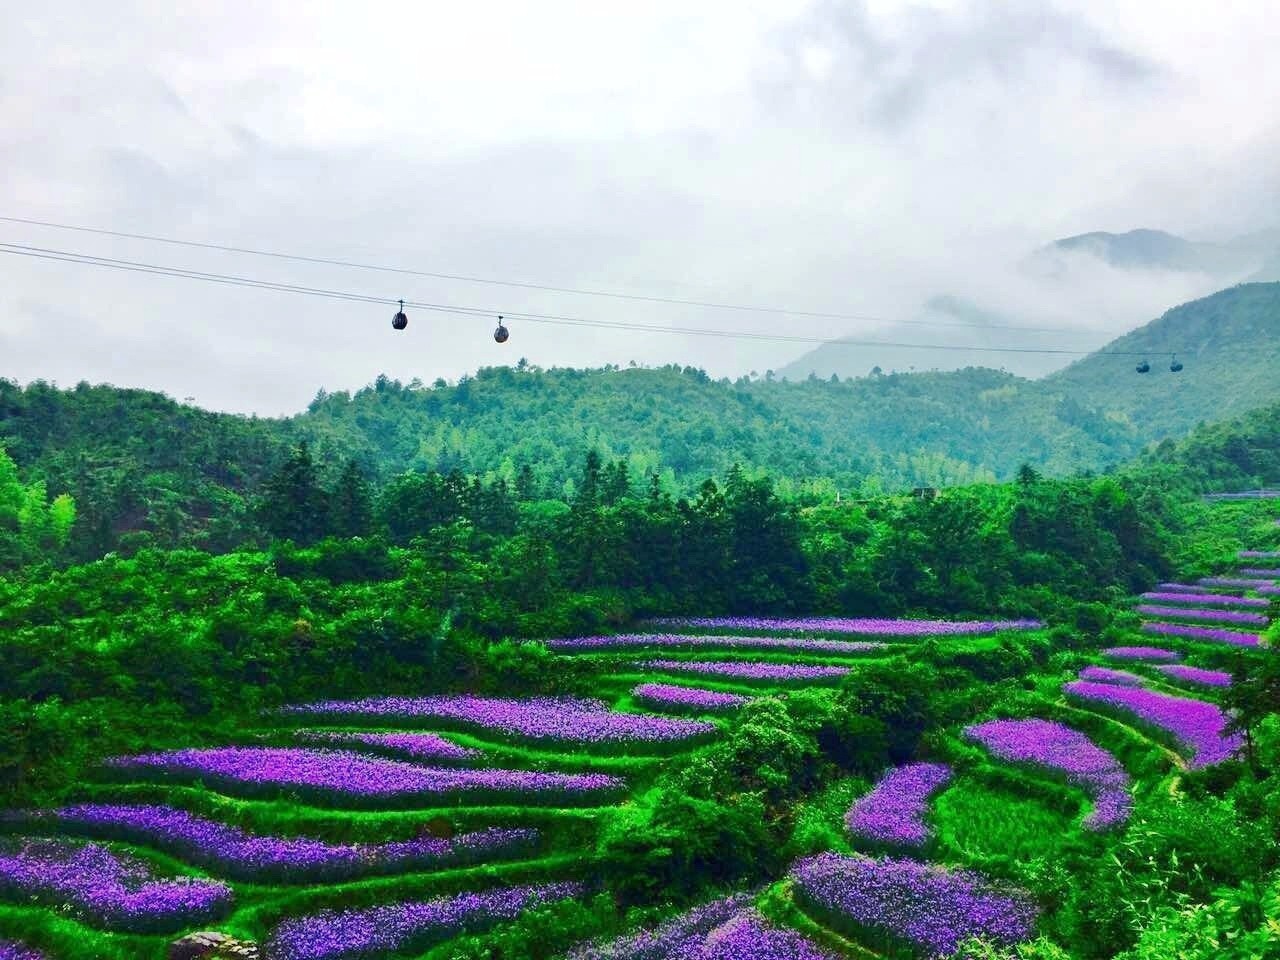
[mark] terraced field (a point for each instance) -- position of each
(385, 827)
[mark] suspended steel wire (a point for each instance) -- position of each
(576, 291)
(66, 256)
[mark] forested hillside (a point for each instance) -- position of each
(145, 470)
(1229, 343)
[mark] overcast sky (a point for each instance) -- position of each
(855, 158)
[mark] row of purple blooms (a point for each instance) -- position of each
(1204, 599)
(727, 929)
(342, 934)
(747, 670)
(927, 909)
(1236, 638)
(892, 815)
(107, 889)
(865, 626)
(1067, 753)
(1243, 617)
(230, 851)
(696, 641)
(1176, 671)
(666, 696)
(557, 719)
(12, 950)
(1198, 727)
(414, 745)
(338, 775)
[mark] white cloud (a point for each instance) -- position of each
(834, 157)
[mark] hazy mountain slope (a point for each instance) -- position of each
(1157, 250)
(959, 324)
(1229, 343)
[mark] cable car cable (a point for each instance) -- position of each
(63, 256)
(676, 301)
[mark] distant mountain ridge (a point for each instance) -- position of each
(961, 332)
(146, 469)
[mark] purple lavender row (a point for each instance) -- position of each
(1189, 588)
(332, 774)
(1067, 753)
(1215, 634)
(668, 938)
(657, 641)
(893, 813)
(1243, 582)
(1270, 589)
(1196, 675)
(1205, 599)
(724, 930)
(927, 908)
(738, 670)
(867, 626)
(1198, 727)
(336, 935)
(559, 719)
(106, 889)
(415, 746)
(1272, 573)
(1242, 617)
(1258, 554)
(234, 853)
(670, 696)
(1107, 675)
(1153, 654)
(12, 950)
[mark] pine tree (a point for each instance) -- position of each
(350, 504)
(294, 506)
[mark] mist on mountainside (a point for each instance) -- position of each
(1038, 314)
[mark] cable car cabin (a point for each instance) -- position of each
(1175, 366)
(400, 321)
(502, 333)
(1143, 367)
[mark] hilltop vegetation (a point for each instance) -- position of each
(145, 470)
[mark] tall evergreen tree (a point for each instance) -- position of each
(350, 503)
(295, 505)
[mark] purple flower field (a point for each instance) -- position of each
(724, 930)
(1198, 727)
(415, 746)
(892, 814)
(668, 938)
(1067, 753)
(867, 626)
(232, 852)
(693, 641)
(670, 696)
(1242, 582)
(333, 935)
(1196, 675)
(1242, 617)
(1205, 599)
(1187, 588)
(928, 908)
(337, 774)
(1107, 675)
(1271, 572)
(739, 670)
(12, 950)
(1214, 634)
(557, 719)
(1258, 554)
(1154, 654)
(107, 889)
